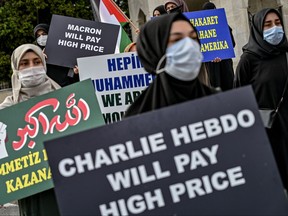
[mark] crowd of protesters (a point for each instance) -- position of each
(162, 44)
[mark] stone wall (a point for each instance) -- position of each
(9, 209)
(4, 93)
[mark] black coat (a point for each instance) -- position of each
(264, 66)
(61, 75)
(221, 74)
(41, 204)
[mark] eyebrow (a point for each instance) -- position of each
(269, 21)
(26, 59)
(181, 33)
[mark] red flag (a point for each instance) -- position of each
(109, 12)
(115, 10)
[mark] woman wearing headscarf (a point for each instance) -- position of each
(176, 6)
(168, 48)
(159, 10)
(264, 65)
(62, 75)
(29, 77)
(29, 80)
(221, 72)
(41, 34)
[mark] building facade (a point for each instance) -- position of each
(238, 13)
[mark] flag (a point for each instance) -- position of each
(109, 12)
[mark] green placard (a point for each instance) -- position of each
(24, 127)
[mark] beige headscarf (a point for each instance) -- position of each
(20, 93)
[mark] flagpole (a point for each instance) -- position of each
(95, 10)
(130, 21)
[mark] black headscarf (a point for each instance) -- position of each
(256, 43)
(164, 90)
(42, 26)
(208, 6)
(181, 6)
(153, 39)
(161, 10)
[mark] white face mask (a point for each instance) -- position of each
(183, 60)
(31, 77)
(273, 35)
(42, 40)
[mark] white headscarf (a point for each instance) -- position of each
(20, 93)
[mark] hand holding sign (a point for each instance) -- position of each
(3, 134)
(216, 60)
(214, 34)
(71, 38)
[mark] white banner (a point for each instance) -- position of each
(118, 80)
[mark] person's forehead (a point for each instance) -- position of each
(170, 4)
(29, 55)
(41, 31)
(181, 26)
(271, 16)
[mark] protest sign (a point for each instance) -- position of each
(186, 159)
(118, 80)
(71, 38)
(24, 168)
(213, 32)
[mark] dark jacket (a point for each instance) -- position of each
(264, 66)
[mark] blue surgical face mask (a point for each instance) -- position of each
(273, 35)
(183, 60)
